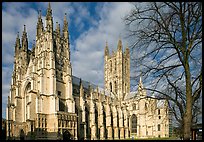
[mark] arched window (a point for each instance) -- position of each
(159, 127)
(88, 131)
(115, 65)
(110, 87)
(96, 122)
(110, 65)
(116, 87)
(28, 100)
(134, 106)
(134, 123)
(104, 123)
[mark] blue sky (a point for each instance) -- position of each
(91, 24)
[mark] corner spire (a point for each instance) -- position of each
(24, 32)
(106, 49)
(39, 14)
(141, 90)
(49, 22)
(24, 28)
(58, 28)
(127, 51)
(39, 24)
(49, 11)
(65, 27)
(24, 39)
(49, 6)
(18, 44)
(120, 44)
(17, 39)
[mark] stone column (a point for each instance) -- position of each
(75, 130)
(122, 133)
(116, 133)
(126, 132)
(93, 132)
(85, 137)
(102, 135)
(109, 133)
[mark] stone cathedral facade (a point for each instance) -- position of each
(46, 99)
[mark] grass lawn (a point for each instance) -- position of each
(156, 138)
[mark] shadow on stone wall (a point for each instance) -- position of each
(42, 134)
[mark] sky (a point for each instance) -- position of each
(91, 25)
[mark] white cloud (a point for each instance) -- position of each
(87, 59)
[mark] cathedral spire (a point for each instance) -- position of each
(24, 39)
(106, 49)
(18, 44)
(49, 11)
(58, 28)
(141, 90)
(65, 27)
(49, 22)
(120, 44)
(39, 24)
(81, 89)
(127, 51)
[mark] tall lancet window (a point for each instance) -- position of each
(110, 65)
(134, 123)
(110, 87)
(116, 89)
(115, 65)
(28, 100)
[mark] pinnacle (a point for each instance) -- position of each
(39, 14)
(49, 10)
(17, 36)
(24, 28)
(49, 6)
(65, 19)
(119, 44)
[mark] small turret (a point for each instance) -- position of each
(58, 29)
(9, 101)
(49, 21)
(120, 45)
(17, 45)
(81, 89)
(65, 28)
(140, 86)
(40, 27)
(106, 50)
(141, 90)
(24, 40)
(127, 51)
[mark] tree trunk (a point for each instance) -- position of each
(188, 113)
(187, 122)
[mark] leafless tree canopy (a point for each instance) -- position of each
(166, 43)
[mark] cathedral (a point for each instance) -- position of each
(46, 100)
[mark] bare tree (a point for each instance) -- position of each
(166, 42)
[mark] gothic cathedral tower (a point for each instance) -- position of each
(117, 71)
(41, 85)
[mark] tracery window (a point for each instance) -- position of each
(115, 65)
(159, 127)
(116, 89)
(110, 87)
(110, 65)
(134, 106)
(134, 123)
